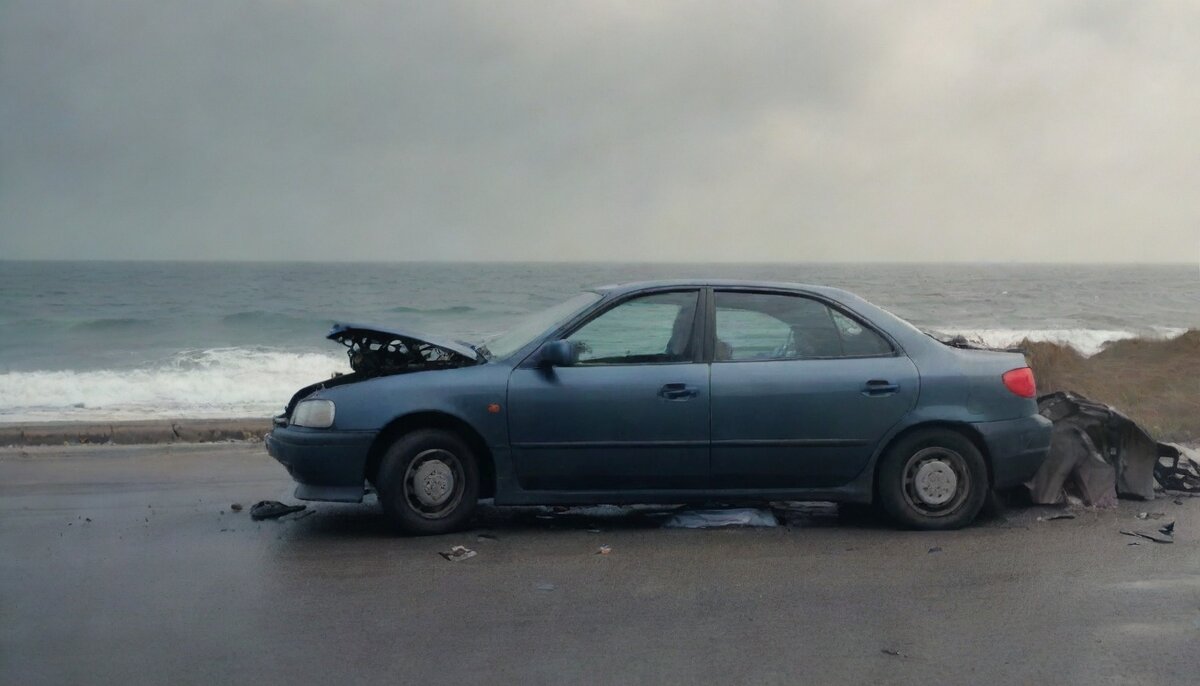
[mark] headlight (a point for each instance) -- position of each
(315, 414)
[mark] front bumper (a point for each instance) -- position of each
(327, 465)
(1017, 448)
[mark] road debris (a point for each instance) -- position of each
(1099, 454)
(545, 586)
(1151, 515)
(272, 509)
(486, 537)
(703, 519)
(1056, 516)
(604, 550)
(236, 507)
(1156, 536)
(458, 553)
(935, 549)
(893, 653)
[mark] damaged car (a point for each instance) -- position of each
(669, 391)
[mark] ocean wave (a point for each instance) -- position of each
(218, 382)
(1087, 341)
(454, 309)
(111, 323)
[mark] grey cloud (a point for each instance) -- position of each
(1059, 131)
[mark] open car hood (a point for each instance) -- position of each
(374, 351)
(344, 332)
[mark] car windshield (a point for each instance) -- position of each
(533, 325)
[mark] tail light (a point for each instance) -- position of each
(1020, 382)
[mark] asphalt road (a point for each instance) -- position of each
(166, 585)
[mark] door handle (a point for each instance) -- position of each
(879, 387)
(677, 391)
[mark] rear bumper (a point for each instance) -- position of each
(1017, 448)
(327, 465)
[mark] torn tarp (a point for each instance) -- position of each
(1095, 452)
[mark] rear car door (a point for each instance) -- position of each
(632, 414)
(802, 391)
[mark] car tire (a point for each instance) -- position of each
(428, 483)
(933, 479)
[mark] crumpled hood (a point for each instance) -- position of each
(345, 333)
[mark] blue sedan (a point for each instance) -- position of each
(669, 391)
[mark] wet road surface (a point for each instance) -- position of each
(165, 584)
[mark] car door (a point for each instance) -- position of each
(802, 391)
(631, 414)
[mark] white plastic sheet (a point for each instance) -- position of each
(704, 519)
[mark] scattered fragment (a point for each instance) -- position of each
(1178, 501)
(893, 653)
(703, 519)
(1167, 529)
(302, 515)
(593, 531)
(458, 553)
(604, 550)
(88, 519)
(935, 549)
(1155, 536)
(1057, 515)
(545, 586)
(271, 509)
(236, 507)
(1150, 515)
(486, 537)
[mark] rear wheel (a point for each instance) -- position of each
(428, 482)
(933, 479)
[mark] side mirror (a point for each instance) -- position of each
(560, 353)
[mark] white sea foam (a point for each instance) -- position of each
(257, 382)
(1087, 341)
(222, 382)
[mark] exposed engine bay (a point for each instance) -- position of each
(376, 352)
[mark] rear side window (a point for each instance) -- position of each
(774, 326)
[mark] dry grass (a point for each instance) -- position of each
(1156, 383)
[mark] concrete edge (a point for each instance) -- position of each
(142, 432)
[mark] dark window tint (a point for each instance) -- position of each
(770, 326)
(650, 329)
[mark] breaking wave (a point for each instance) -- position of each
(1087, 341)
(219, 382)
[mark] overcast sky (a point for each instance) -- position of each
(732, 131)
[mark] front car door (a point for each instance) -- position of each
(802, 391)
(632, 414)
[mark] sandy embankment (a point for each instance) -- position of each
(134, 432)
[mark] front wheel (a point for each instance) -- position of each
(428, 482)
(933, 479)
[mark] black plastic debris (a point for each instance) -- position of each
(272, 509)
(1098, 454)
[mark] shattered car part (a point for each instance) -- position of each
(272, 509)
(1096, 451)
(1178, 468)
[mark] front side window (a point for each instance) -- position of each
(647, 330)
(772, 326)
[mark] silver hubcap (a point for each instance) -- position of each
(936, 481)
(434, 483)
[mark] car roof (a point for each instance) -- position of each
(635, 286)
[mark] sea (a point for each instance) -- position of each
(101, 341)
